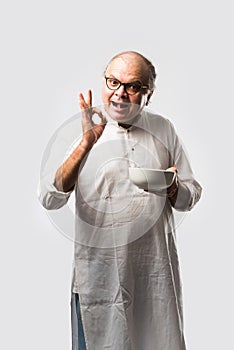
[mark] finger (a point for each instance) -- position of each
(103, 118)
(89, 98)
(99, 113)
(82, 101)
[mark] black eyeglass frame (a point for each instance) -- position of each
(125, 85)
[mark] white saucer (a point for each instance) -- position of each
(151, 179)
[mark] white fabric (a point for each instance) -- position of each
(126, 267)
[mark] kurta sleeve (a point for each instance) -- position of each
(59, 148)
(56, 153)
(49, 196)
(189, 190)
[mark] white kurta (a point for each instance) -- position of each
(126, 268)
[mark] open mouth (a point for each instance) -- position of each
(120, 105)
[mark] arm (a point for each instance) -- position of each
(180, 195)
(185, 191)
(66, 176)
(54, 192)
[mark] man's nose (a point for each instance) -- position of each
(121, 91)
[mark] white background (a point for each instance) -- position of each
(50, 50)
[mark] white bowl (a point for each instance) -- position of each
(151, 179)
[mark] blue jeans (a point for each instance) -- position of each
(78, 340)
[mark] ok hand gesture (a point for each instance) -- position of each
(91, 130)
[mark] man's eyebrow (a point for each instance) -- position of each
(135, 81)
(130, 82)
(111, 76)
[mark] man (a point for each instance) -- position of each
(126, 283)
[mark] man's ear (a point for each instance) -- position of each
(148, 97)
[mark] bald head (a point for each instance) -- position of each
(144, 67)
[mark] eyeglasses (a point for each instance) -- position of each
(129, 88)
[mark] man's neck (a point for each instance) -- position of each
(133, 121)
(125, 126)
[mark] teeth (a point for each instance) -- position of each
(120, 105)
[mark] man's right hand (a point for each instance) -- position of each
(91, 130)
(66, 176)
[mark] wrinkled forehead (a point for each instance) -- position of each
(129, 67)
